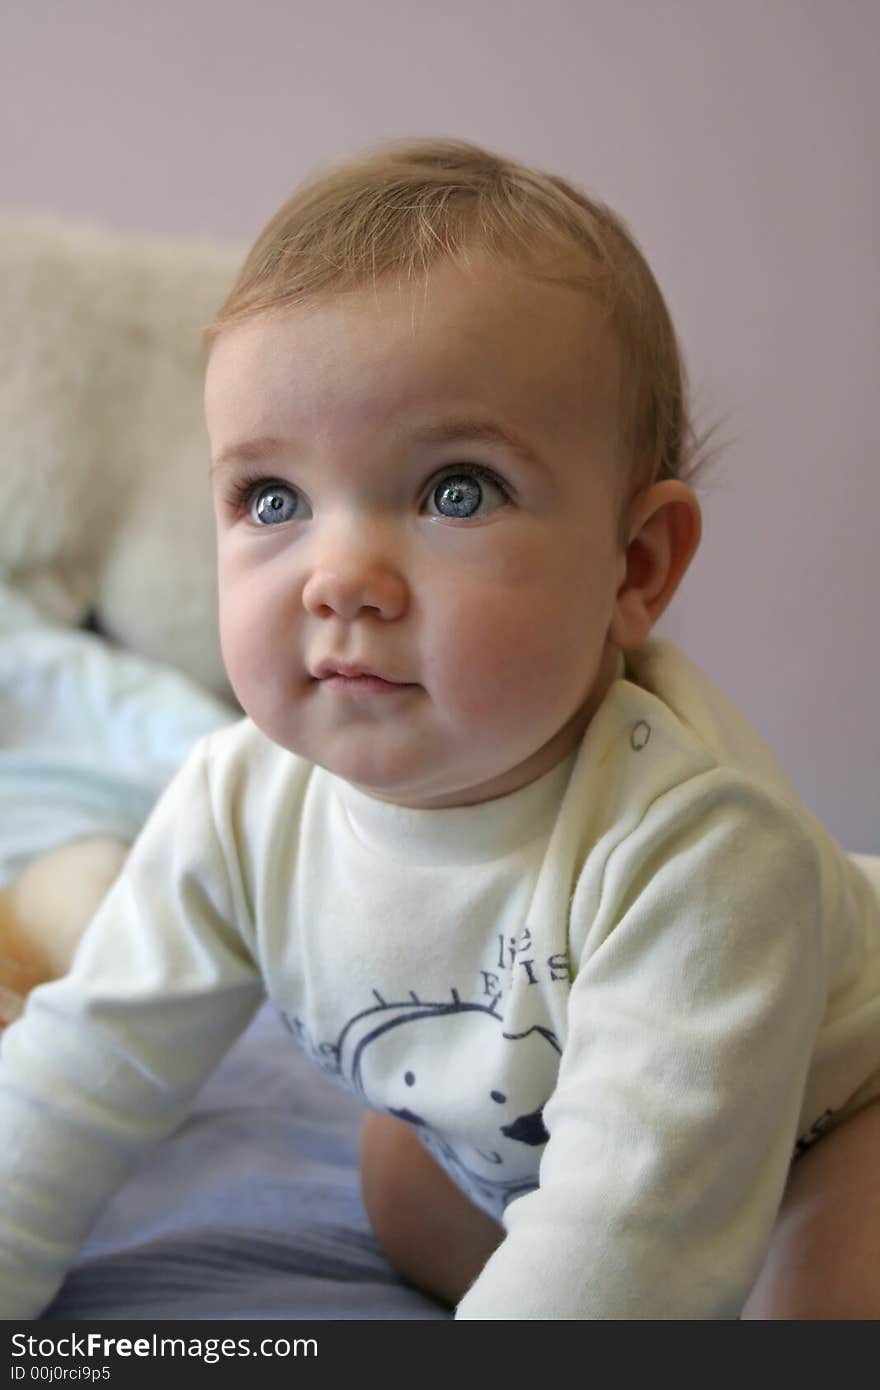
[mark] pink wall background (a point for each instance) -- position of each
(739, 141)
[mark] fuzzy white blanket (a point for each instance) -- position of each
(105, 508)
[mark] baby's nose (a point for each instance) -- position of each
(348, 586)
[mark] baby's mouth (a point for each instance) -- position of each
(352, 678)
(354, 670)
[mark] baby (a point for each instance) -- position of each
(516, 874)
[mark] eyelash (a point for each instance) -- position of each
(243, 490)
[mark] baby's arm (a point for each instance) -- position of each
(107, 1059)
(691, 1024)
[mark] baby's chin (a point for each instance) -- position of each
(418, 793)
(444, 794)
(401, 771)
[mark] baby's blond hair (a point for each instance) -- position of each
(400, 207)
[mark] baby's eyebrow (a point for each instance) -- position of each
(444, 432)
(248, 451)
(481, 432)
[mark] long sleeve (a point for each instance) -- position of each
(107, 1060)
(698, 995)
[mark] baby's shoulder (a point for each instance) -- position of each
(668, 756)
(697, 719)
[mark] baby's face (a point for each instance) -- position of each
(416, 499)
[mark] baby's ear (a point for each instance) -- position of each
(663, 530)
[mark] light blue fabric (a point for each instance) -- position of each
(89, 734)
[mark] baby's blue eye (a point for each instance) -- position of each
(275, 503)
(462, 495)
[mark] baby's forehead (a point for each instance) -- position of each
(484, 343)
(484, 310)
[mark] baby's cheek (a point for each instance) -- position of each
(236, 636)
(490, 659)
(251, 650)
